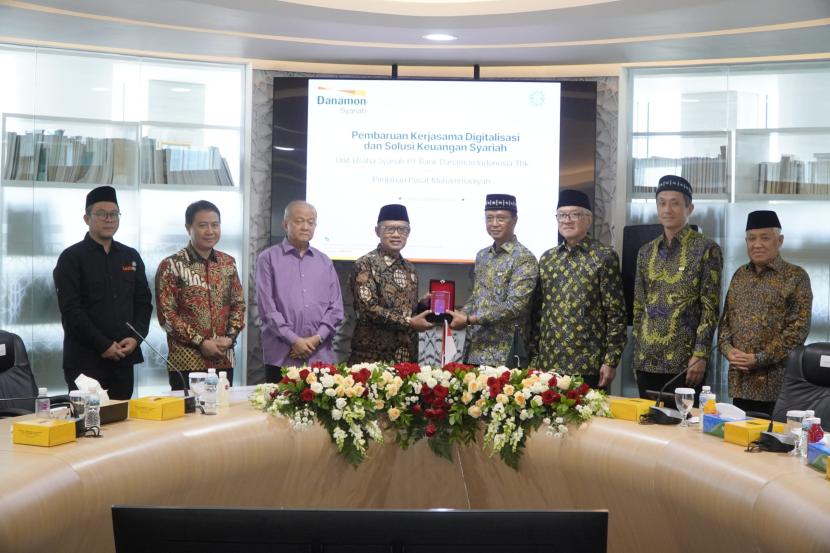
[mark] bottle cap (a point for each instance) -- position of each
(809, 413)
(223, 374)
(42, 391)
(211, 371)
(795, 414)
(815, 421)
(707, 389)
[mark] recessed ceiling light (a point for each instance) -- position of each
(440, 37)
(180, 89)
(284, 148)
(99, 89)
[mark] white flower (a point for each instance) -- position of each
(431, 382)
(536, 401)
(293, 373)
(336, 414)
(327, 380)
(563, 382)
(340, 403)
(393, 413)
(331, 392)
(317, 388)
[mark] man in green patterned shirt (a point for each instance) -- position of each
(505, 277)
(676, 295)
(766, 315)
(579, 320)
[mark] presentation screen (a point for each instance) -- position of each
(437, 147)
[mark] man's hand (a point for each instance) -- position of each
(210, 349)
(128, 345)
(303, 348)
(420, 323)
(696, 372)
(606, 375)
(741, 361)
(223, 343)
(459, 320)
(113, 352)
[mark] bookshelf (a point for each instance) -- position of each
(163, 133)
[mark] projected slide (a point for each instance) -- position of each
(438, 147)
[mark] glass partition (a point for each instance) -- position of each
(163, 133)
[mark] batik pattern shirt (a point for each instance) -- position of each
(385, 291)
(676, 301)
(199, 299)
(768, 314)
(579, 321)
(503, 285)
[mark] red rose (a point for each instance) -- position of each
(416, 409)
(407, 369)
(573, 394)
(458, 368)
(274, 393)
(324, 366)
(549, 396)
(505, 377)
(307, 395)
(552, 382)
(440, 391)
(303, 374)
(362, 375)
(431, 429)
(583, 389)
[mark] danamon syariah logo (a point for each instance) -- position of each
(340, 96)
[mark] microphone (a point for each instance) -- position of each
(665, 415)
(189, 401)
(775, 442)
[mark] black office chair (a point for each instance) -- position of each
(806, 383)
(16, 378)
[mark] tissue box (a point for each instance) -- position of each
(43, 432)
(713, 424)
(157, 408)
(817, 457)
(113, 411)
(747, 431)
(629, 408)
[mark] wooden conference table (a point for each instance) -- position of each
(667, 489)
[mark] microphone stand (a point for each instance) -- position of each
(189, 401)
(665, 415)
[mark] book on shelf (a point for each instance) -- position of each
(708, 175)
(791, 175)
(52, 156)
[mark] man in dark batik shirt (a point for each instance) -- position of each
(765, 316)
(676, 295)
(579, 314)
(385, 290)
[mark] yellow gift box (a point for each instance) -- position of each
(43, 432)
(747, 431)
(157, 408)
(629, 408)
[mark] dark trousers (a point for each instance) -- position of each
(656, 381)
(273, 374)
(753, 405)
(179, 383)
(118, 382)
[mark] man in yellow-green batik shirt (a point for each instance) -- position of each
(676, 295)
(579, 311)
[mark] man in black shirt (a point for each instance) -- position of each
(101, 287)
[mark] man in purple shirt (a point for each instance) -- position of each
(298, 294)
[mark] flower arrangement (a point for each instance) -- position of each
(422, 402)
(336, 397)
(444, 405)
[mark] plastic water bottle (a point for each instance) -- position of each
(706, 395)
(806, 422)
(42, 404)
(93, 409)
(224, 390)
(209, 399)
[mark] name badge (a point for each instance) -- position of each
(129, 267)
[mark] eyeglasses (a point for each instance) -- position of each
(403, 231)
(489, 219)
(570, 216)
(106, 214)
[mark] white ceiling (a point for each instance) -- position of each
(383, 32)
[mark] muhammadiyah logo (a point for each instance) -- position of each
(341, 96)
(537, 98)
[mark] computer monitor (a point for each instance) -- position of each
(254, 530)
